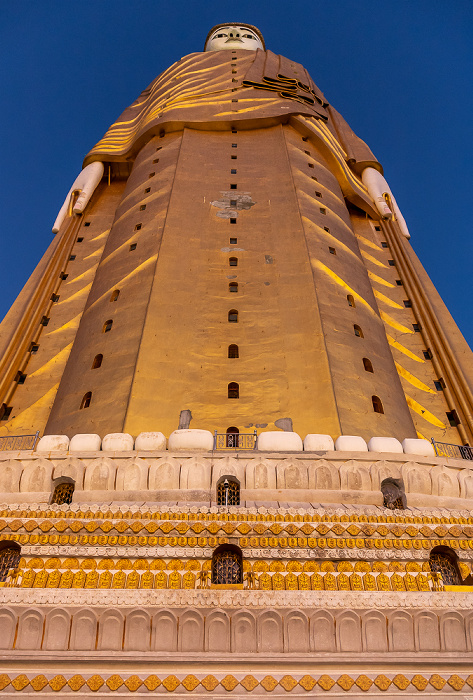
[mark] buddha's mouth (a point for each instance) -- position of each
(233, 39)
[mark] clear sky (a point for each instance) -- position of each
(399, 71)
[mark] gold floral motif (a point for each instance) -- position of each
(209, 683)
(330, 582)
(278, 582)
(277, 565)
(382, 582)
(437, 681)
(325, 682)
(307, 682)
(456, 682)
(264, 582)
(288, 683)
(95, 682)
(133, 683)
(469, 680)
(114, 682)
(57, 683)
(249, 683)
(382, 682)
(76, 682)
(152, 682)
(400, 681)
(410, 582)
(364, 683)
(190, 682)
(4, 680)
(327, 566)
(304, 582)
(269, 683)
(229, 682)
(345, 682)
(343, 582)
(20, 682)
(291, 582)
(317, 582)
(171, 683)
(28, 579)
(419, 682)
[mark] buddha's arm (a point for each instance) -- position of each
(381, 194)
(85, 183)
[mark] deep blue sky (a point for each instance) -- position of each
(399, 71)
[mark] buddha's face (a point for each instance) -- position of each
(233, 37)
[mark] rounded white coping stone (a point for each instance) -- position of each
(279, 441)
(351, 443)
(53, 443)
(191, 439)
(117, 442)
(417, 446)
(384, 444)
(150, 442)
(318, 443)
(85, 442)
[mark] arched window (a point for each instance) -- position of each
(227, 565)
(233, 262)
(107, 326)
(233, 287)
(10, 555)
(377, 404)
(233, 390)
(394, 497)
(85, 403)
(233, 351)
(233, 316)
(228, 490)
(115, 295)
(367, 365)
(63, 493)
(351, 301)
(358, 331)
(232, 436)
(443, 560)
(97, 361)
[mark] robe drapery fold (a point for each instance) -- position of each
(200, 91)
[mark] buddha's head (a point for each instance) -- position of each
(223, 37)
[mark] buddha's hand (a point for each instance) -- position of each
(85, 183)
(381, 194)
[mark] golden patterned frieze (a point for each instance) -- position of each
(104, 682)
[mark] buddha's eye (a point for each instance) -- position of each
(249, 36)
(220, 35)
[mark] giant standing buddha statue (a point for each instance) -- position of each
(254, 474)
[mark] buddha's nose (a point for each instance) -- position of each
(233, 34)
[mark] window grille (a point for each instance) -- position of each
(226, 567)
(9, 559)
(63, 494)
(444, 563)
(228, 491)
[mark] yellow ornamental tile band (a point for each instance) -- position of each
(190, 682)
(249, 683)
(400, 681)
(288, 683)
(76, 682)
(229, 682)
(269, 683)
(133, 683)
(95, 682)
(152, 682)
(325, 682)
(456, 682)
(4, 680)
(382, 682)
(39, 682)
(419, 682)
(307, 682)
(20, 682)
(114, 682)
(437, 681)
(209, 683)
(171, 683)
(364, 683)
(345, 682)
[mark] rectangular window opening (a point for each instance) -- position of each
(233, 221)
(326, 228)
(453, 418)
(5, 411)
(233, 171)
(233, 241)
(44, 321)
(377, 228)
(399, 283)
(64, 275)
(314, 178)
(72, 257)
(138, 227)
(318, 194)
(147, 190)
(34, 347)
(133, 246)
(311, 165)
(151, 175)
(332, 251)
(156, 160)
(233, 187)
(233, 157)
(54, 298)
(407, 303)
(391, 263)
(384, 244)
(417, 327)
(142, 207)
(427, 355)
(20, 378)
(439, 384)
(87, 223)
(322, 210)
(80, 239)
